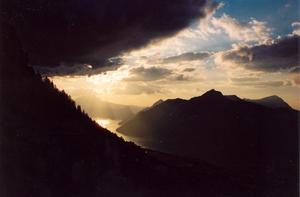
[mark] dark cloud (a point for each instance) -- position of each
(189, 70)
(78, 69)
(148, 74)
(154, 74)
(295, 70)
(187, 57)
(77, 32)
(263, 84)
(181, 77)
(281, 55)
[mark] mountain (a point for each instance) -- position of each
(225, 131)
(50, 147)
(153, 105)
(97, 108)
(271, 101)
(157, 103)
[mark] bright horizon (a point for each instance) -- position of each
(80, 87)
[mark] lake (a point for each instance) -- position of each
(112, 126)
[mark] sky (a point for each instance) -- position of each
(134, 52)
(249, 48)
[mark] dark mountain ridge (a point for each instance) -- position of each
(226, 131)
(271, 101)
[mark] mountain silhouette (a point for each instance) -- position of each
(271, 101)
(228, 132)
(50, 147)
(157, 103)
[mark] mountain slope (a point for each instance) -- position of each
(271, 101)
(225, 131)
(50, 147)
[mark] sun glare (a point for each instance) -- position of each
(103, 122)
(108, 77)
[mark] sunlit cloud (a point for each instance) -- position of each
(295, 75)
(280, 55)
(138, 88)
(296, 28)
(203, 37)
(252, 31)
(261, 84)
(245, 79)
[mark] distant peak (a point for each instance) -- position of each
(213, 92)
(233, 97)
(273, 97)
(273, 101)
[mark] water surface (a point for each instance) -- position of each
(112, 126)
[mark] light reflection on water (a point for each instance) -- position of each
(109, 124)
(112, 126)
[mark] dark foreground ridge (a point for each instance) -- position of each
(50, 148)
(256, 137)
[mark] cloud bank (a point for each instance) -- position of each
(191, 56)
(74, 32)
(282, 54)
(253, 31)
(147, 74)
